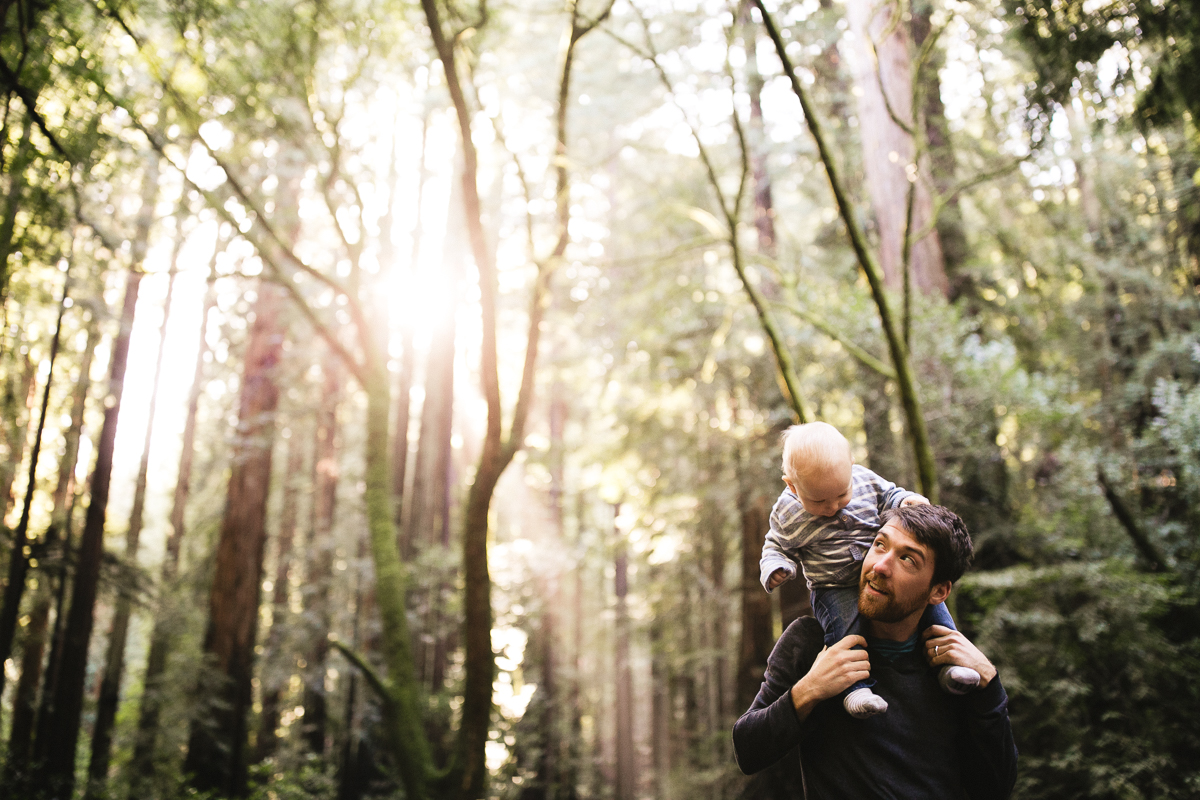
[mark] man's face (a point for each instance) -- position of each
(826, 493)
(897, 576)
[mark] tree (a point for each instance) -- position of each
(58, 743)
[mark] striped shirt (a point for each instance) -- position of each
(830, 549)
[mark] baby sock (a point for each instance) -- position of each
(957, 680)
(863, 703)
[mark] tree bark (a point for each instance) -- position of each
(321, 547)
(756, 639)
(52, 551)
(18, 561)
(57, 773)
(142, 766)
(427, 511)
(429, 521)
(898, 348)
(114, 662)
(16, 188)
(216, 759)
(888, 150)
(627, 777)
(19, 388)
(273, 675)
(407, 330)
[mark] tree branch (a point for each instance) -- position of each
(868, 360)
(1124, 514)
(377, 682)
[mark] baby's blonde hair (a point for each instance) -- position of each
(811, 448)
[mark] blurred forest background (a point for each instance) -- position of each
(391, 391)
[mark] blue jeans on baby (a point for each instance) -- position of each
(836, 608)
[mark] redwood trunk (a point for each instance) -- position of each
(57, 772)
(142, 767)
(274, 674)
(888, 149)
(216, 759)
(626, 788)
(320, 558)
(52, 550)
(756, 638)
(114, 663)
(19, 394)
(18, 563)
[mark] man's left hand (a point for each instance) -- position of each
(944, 646)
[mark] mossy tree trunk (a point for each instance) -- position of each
(897, 347)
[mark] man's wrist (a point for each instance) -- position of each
(804, 698)
(987, 674)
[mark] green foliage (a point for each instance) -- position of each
(1067, 40)
(1102, 696)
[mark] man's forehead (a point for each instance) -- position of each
(899, 536)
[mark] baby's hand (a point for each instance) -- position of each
(778, 578)
(915, 500)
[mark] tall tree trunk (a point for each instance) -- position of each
(18, 561)
(57, 773)
(660, 707)
(53, 552)
(12, 202)
(951, 233)
(321, 547)
(407, 329)
(114, 662)
(350, 785)
(893, 328)
(719, 669)
(627, 777)
(142, 766)
(429, 510)
(888, 149)
(273, 675)
(431, 467)
(216, 759)
(20, 392)
(498, 450)
(756, 635)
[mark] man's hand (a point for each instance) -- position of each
(915, 500)
(835, 669)
(944, 646)
(778, 578)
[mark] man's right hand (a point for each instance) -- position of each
(835, 669)
(778, 578)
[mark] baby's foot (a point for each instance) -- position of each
(958, 680)
(863, 703)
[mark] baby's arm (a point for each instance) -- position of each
(776, 565)
(889, 495)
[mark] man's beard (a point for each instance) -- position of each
(884, 608)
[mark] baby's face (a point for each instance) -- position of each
(823, 494)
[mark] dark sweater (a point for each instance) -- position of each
(929, 744)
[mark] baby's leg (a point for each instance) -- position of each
(952, 678)
(836, 608)
(936, 615)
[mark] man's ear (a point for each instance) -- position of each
(939, 592)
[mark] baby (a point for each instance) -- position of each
(826, 519)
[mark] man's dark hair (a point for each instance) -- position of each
(941, 530)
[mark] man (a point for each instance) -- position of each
(929, 744)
